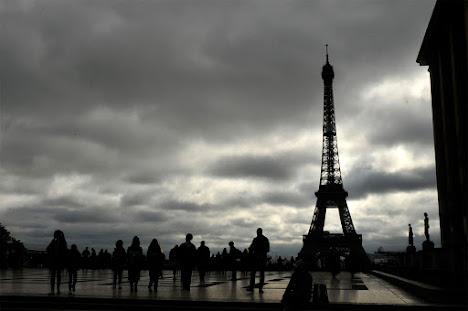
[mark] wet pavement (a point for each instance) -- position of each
(364, 289)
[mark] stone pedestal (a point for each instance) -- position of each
(427, 245)
(411, 249)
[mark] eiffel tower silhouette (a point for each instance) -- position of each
(331, 194)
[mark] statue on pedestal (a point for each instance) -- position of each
(410, 248)
(410, 235)
(426, 226)
(428, 244)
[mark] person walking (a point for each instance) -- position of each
(234, 257)
(155, 260)
(187, 253)
(203, 258)
(174, 260)
(258, 250)
(135, 260)
(73, 264)
(118, 260)
(56, 252)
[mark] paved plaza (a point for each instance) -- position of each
(364, 289)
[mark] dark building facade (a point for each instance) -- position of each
(444, 50)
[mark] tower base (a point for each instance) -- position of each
(320, 245)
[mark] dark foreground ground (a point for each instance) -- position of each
(28, 290)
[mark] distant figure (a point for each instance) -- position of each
(85, 258)
(93, 259)
(203, 258)
(174, 259)
(258, 250)
(57, 252)
(119, 258)
(410, 235)
(352, 262)
(187, 253)
(73, 264)
(155, 260)
(135, 261)
(426, 226)
(234, 256)
(299, 289)
(333, 262)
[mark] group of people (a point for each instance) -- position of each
(186, 255)
(60, 257)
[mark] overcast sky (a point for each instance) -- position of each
(158, 118)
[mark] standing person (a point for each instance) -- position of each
(203, 257)
(56, 251)
(73, 264)
(134, 259)
(258, 250)
(174, 259)
(119, 258)
(234, 255)
(333, 262)
(85, 255)
(187, 253)
(155, 260)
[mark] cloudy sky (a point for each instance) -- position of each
(158, 118)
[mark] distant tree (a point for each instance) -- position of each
(4, 239)
(380, 249)
(11, 250)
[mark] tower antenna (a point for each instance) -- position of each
(326, 48)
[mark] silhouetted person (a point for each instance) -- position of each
(410, 235)
(353, 263)
(258, 250)
(107, 259)
(93, 259)
(174, 259)
(85, 258)
(333, 262)
(426, 226)
(234, 255)
(119, 258)
(73, 264)
(279, 264)
(187, 253)
(135, 262)
(203, 258)
(155, 260)
(245, 261)
(224, 260)
(57, 252)
(299, 289)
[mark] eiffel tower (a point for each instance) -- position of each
(331, 194)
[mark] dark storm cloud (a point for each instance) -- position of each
(363, 181)
(250, 167)
(119, 92)
(150, 216)
(279, 167)
(91, 215)
(185, 206)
